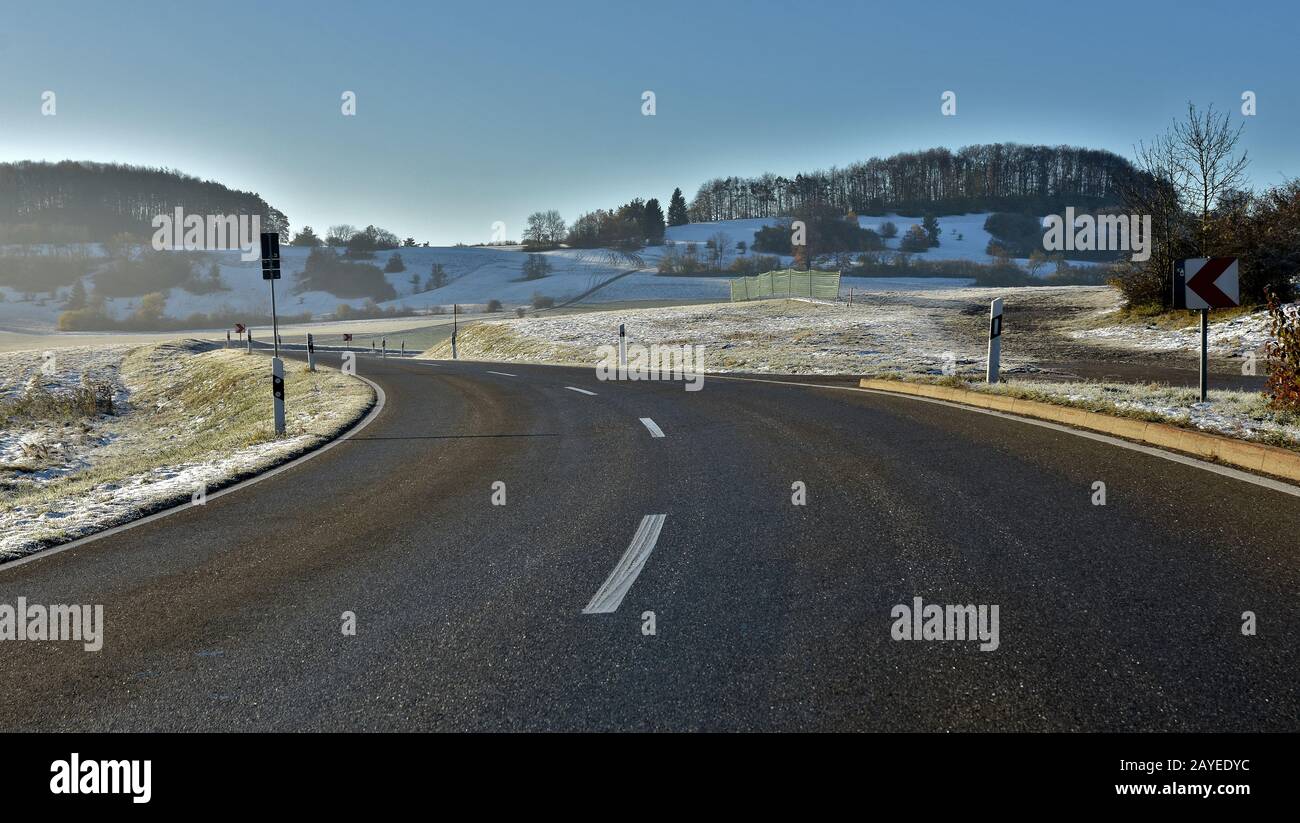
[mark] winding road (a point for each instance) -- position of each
(623, 499)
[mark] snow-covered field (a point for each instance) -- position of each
(186, 417)
(912, 334)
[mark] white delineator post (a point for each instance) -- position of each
(995, 339)
(622, 351)
(311, 353)
(277, 390)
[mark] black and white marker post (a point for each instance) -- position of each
(271, 272)
(311, 353)
(622, 351)
(454, 317)
(995, 340)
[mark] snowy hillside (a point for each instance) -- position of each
(963, 236)
(476, 275)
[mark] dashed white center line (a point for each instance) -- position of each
(655, 431)
(580, 391)
(607, 598)
(502, 373)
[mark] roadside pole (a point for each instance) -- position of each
(454, 317)
(1205, 354)
(383, 348)
(249, 350)
(995, 340)
(227, 338)
(311, 353)
(277, 391)
(622, 351)
(271, 272)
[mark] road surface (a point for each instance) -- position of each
(767, 615)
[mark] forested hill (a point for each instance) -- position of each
(79, 201)
(990, 177)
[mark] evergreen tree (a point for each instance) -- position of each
(76, 297)
(931, 226)
(306, 237)
(677, 215)
(437, 277)
(653, 221)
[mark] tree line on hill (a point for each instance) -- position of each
(630, 226)
(989, 177)
(81, 201)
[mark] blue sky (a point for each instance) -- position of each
(469, 113)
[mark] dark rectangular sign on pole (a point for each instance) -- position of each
(270, 255)
(270, 245)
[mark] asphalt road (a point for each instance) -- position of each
(768, 616)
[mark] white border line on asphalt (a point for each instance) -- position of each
(1225, 471)
(610, 595)
(655, 431)
(380, 399)
(502, 373)
(580, 391)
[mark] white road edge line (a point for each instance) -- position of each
(655, 431)
(580, 391)
(380, 399)
(502, 373)
(610, 595)
(1236, 474)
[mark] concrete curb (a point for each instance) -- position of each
(1253, 457)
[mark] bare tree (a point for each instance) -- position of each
(718, 244)
(1184, 177)
(1205, 154)
(545, 228)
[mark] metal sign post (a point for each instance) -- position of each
(271, 272)
(995, 340)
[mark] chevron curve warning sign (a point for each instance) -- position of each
(1206, 283)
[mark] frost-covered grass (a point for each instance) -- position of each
(772, 336)
(1233, 333)
(1242, 414)
(187, 416)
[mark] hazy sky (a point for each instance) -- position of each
(469, 113)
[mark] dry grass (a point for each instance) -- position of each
(189, 406)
